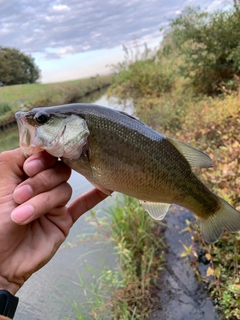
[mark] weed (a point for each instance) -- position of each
(142, 75)
(127, 292)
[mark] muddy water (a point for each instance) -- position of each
(179, 296)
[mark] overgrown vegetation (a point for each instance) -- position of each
(197, 100)
(41, 95)
(142, 74)
(217, 133)
(127, 292)
(210, 50)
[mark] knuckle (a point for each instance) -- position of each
(44, 179)
(66, 192)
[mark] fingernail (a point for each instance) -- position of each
(23, 213)
(22, 193)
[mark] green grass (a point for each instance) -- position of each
(41, 95)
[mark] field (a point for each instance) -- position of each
(12, 98)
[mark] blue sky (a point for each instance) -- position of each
(72, 39)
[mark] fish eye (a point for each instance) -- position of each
(41, 118)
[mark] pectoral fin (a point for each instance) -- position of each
(156, 210)
(86, 155)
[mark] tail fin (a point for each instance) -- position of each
(227, 218)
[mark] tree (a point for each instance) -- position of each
(16, 67)
(210, 47)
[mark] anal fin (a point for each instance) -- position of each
(156, 210)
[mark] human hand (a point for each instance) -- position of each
(34, 218)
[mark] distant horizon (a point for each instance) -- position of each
(75, 79)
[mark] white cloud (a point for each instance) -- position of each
(66, 50)
(86, 47)
(95, 35)
(55, 18)
(27, 40)
(5, 31)
(61, 7)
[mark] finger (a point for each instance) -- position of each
(39, 162)
(41, 182)
(42, 204)
(86, 202)
(11, 163)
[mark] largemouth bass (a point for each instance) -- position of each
(117, 152)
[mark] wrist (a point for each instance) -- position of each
(11, 287)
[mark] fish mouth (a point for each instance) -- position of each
(27, 135)
(24, 134)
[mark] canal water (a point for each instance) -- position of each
(50, 292)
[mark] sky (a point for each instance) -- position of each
(72, 39)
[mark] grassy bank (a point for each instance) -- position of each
(173, 105)
(40, 95)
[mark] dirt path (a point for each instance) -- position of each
(180, 296)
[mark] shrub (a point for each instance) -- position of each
(147, 74)
(209, 44)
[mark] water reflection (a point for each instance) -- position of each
(95, 96)
(48, 294)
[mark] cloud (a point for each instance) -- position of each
(60, 28)
(60, 7)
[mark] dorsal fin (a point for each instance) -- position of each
(196, 158)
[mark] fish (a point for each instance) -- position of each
(117, 152)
